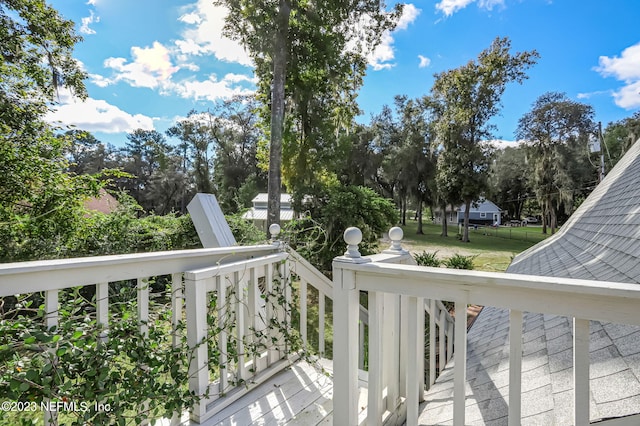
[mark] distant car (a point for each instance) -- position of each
(531, 219)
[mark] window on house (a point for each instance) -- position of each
(483, 215)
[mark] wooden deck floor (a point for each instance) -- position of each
(299, 395)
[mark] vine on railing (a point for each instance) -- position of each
(74, 371)
(91, 374)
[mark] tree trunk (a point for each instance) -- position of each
(545, 209)
(444, 232)
(465, 232)
(403, 208)
(553, 222)
(420, 231)
(277, 114)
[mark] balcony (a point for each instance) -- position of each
(251, 327)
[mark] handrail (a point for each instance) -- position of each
(43, 275)
(305, 270)
(590, 300)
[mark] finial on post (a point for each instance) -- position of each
(274, 230)
(352, 236)
(395, 235)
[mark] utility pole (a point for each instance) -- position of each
(601, 150)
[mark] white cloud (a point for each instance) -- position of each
(384, 52)
(502, 143)
(424, 61)
(190, 18)
(449, 7)
(92, 2)
(629, 96)
(213, 89)
(589, 95)
(204, 34)
(409, 14)
(625, 68)
(96, 115)
(84, 28)
(151, 67)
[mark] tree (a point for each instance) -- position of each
(469, 97)
(315, 36)
(196, 133)
(40, 202)
(509, 185)
(619, 136)
(236, 134)
(557, 131)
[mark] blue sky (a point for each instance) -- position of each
(152, 61)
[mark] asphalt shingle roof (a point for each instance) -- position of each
(601, 241)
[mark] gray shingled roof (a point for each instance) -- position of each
(601, 241)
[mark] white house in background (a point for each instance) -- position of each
(258, 213)
(482, 212)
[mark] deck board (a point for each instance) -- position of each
(301, 395)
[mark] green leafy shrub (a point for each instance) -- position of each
(244, 231)
(427, 259)
(458, 261)
(334, 208)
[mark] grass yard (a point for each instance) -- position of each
(493, 248)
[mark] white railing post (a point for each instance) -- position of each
(303, 313)
(176, 307)
(196, 312)
(460, 359)
(346, 313)
(51, 320)
(102, 309)
(412, 361)
(515, 367)
(143, 305)
(581, 371)
(433, 308)
(376, 361)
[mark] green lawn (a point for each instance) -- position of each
(493, 248)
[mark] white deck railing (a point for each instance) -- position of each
(52, 276)
(391, 389)
(240, 279)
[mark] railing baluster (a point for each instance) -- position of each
(221, 285)
(321, 315)
(515, 367)
(581, 371)
(102, 309)
(450, 341)
(176, 307)
(421, 354)
(143, 305)
(361, 333)
(412, 361)
(286, 282)
(404, 344)
(271, 313)
(441, 337)
(391, 326)
(376, 362)
(432, 341)
(254, 311)
(240, 326)
(51, 320)
(303, 313)
(460, 371)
